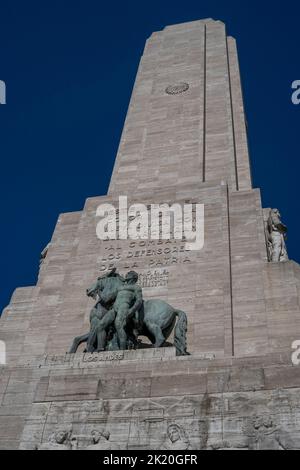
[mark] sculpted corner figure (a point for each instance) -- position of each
(276, 234)
(44, 254)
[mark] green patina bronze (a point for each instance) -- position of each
(121, 315)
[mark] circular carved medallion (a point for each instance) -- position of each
(177, 89)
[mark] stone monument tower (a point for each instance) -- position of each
(184, 141)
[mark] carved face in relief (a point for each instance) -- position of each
(267, 422)
(96, 436)
(61, 436)
(263, 422)
(174, 433)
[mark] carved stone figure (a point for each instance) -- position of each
(263, 434)
(276, 236)
(226, 445)
(44, 253)
(100, 441)
(60, 440)
(176, 439)
(120, 308)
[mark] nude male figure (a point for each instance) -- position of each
(127, 304)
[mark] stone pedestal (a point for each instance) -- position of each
(137, 395)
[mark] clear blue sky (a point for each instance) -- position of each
(69, 67)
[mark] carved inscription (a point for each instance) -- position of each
(156, 278)
(153, 253)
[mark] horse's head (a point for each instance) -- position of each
(106, 287)
(94, 289)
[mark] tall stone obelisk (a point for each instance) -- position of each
(184, 141)
(185, 123)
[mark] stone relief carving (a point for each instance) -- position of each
(177, 89)
(276, 236)
(121, 315)
(227, 445)
(264, 434)
(176, 439)
(172, 423)
(60, 440)
(100, 441)
(259, 433)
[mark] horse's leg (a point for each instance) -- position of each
(101, 340)
(77, 341)
(102, 329)
(180, 334)
(91, 343)
(113, 344)
(156, 331)
(168, 330)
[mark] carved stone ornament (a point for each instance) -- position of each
(176, 439)
(177, 89)
(61, 439)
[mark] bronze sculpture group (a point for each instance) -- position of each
(121, 315)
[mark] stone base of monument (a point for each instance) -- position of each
(142, 399)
